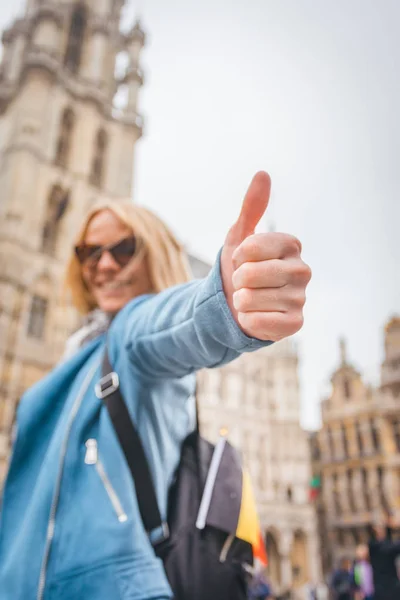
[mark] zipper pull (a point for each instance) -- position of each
(91, 452)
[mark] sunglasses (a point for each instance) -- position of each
(122, 252)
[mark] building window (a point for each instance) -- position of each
(346, 389)
(355, 534)
(381, 491)
(344, 441)
(350, 491)
(396, 433)
(336, 501)
(98, 163)
(56, 207)
(374, 435)
(340, 537)
(359, 437)
(63, 149)
(73, 54)
(315, 449)
(330, 443)
(365, 486)
(37, 317)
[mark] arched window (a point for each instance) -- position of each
(98, 164)
(73, 54)
(37, 317)
(360, 442)
(344, 441)
(374, 435)
(56, 206)
(350, 491)
(336, 495)
(366, 489)
(331, 445)
(274, 559)
(347, 388)
(64, 138)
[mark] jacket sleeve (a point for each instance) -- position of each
(183, 329)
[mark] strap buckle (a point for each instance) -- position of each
(107, 385)
(160, 535)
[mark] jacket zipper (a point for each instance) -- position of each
(56, 496)
(92, 458)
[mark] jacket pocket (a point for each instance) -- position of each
(92, 458)
(123, 578)
(142, 580)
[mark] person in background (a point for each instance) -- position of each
(342, 582)
(260, 588)
(383, 554)
(363, 576)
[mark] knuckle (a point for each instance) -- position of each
(240, 276)
(256, 323)
(251, 246)
(300, 271)
(252, 323)
(305, 272)
(292, 244)
(243, 300)
(249, 275)
(236, 279)
(298, 300)
(295, 323)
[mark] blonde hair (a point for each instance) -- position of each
(166, 259)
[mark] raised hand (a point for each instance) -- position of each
(263, 275)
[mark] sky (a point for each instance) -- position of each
(308, 90)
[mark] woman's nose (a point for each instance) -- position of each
(107, 262)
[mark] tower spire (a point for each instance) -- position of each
(67, 147)
(343, 351)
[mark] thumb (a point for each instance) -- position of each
(254, 205)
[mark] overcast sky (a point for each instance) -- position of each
(308, 90)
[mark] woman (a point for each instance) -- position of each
(363, 575)
(70, 525)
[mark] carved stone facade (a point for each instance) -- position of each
(357, 452)
(257, 399)
(63, 145)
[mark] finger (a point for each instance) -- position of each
(281, 299)
(272, 326)
(265, 246)
(253, 208)
(271, 274)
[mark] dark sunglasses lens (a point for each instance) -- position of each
(84, 252)
(124, 251)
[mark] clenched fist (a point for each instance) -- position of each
(263, 275)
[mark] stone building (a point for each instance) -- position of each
(63, 145)
(357, 451)
(257, 399)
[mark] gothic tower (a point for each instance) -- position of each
(63, 144)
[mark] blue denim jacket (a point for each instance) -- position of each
(70, 525)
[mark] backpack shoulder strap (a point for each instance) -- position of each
(108, 390)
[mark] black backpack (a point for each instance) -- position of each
(203, 558)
